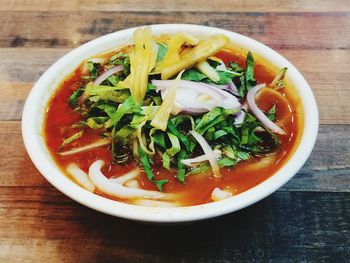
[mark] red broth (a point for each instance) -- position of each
(197, 189)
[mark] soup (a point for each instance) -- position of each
(172, 121)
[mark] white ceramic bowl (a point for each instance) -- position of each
(35, 107)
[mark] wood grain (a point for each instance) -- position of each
(21, 67)
(41, 225)
(180, 5)
(278, 30)
(328, 172)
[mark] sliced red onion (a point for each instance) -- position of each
(189, 92)
(105, 75)
(193, 162)
(239, 119)
(233, 88)
(210, 155)
(229, 87)
(258, 113)
(197, 86)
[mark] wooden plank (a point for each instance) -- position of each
(279, 30)
(16, 166)
(328, 168)
(180, 5)
(41, 224)
(21, 67)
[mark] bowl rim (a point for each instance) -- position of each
(34, 143)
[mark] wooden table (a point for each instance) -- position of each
(307, 220)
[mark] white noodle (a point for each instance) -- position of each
(132, 184)
(126, 177)
(98, 143)
(80, 177)
(115, 189)
(218, 194)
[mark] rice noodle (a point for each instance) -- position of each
(80, 177)
(258, 113)
(96, 144)
(116, 189)
(132, 184)
(125, 177)
(218, 194)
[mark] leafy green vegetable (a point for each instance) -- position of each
(181, 168)
(121, 59)
(247, 81)
(72, 138)
(249, 75)
(272, 113)
(95, 93)
(121, 111)
(243, 155)
(73, 99)
(113, 80)
(183, 139)
(233, 66)
(170, 152)
(226, 76)
(96, 123)
(224, 162)
(147, 167)
(118, 59)
(193, 75)
(159, 139)
(212, 118)
(162, 50)
(94, 69)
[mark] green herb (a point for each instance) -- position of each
(181, 168)
(73, 99)
(147, 167)
(171, 151)
(247, 81)
(226, 76)
(95, 93)
(183, 139)
(72, 138)
(272, 113)
(233, 66)
(123, 109)
(94, 69)
(96, 123)
(113, 80)
(193, 75)
(118, 59)
(249, 75)
(162, 50)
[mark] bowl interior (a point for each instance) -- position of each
(35, 108)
